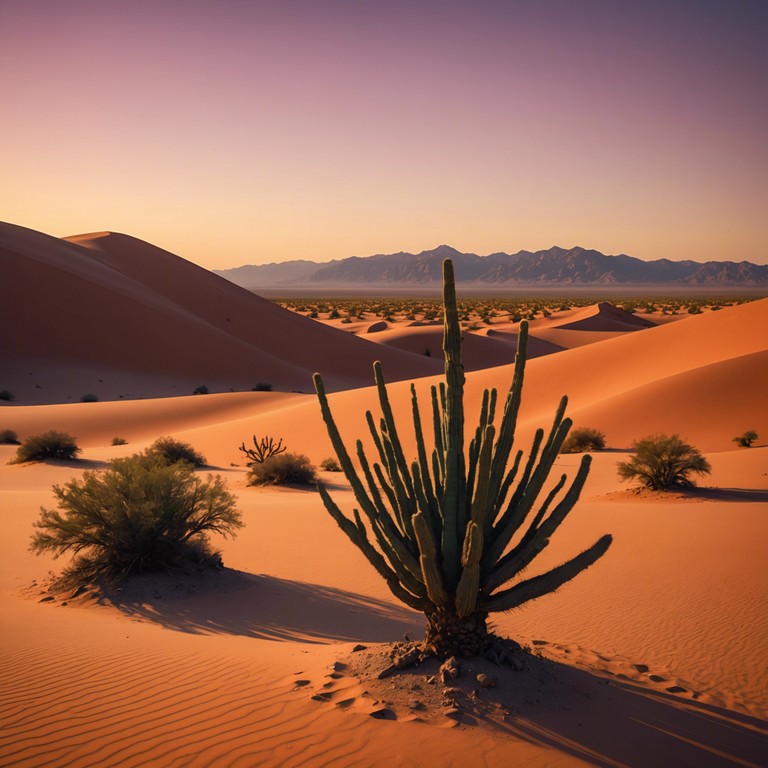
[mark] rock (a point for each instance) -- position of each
(407, 659)
(337, 666)
(450, 670)
(359, 647)
(486, 681)
(418, 706)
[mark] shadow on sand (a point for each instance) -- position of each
(239, 603)
(623, 724)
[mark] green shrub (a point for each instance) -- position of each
(139, 515)
(119, 441)
(172, 451)
(6, 395)
(330, 465)
(285, 469)
(8, 437)
(663, 461)
(262, 386)
(201, 390)
(746, 440)
(89, 398)
(48, 445)
(584, 439)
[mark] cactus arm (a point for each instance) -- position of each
(432, 576)
(405, 500)
(469, 584)
(360, 540)
(437, 424)
(520, 557)
(375, 435)
(432, 516)
(547, 582)
(389, 419)
(426, 480)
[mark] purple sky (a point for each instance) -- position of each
(247, 132)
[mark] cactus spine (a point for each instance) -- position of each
(444, 523)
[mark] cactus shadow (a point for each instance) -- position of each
(620, 723)
(238, 603)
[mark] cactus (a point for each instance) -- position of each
(450, 530)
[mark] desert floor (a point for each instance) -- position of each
(655, 656)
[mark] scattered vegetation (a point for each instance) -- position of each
(285, 469)
(330, 465)
(172, 451)
(119, 441)
(745, 440)
(139, 515)
(6, 395)
(262, 386)
(262, 449)
(584, 439)
(48, 445)
(8, 437)
(663, 461)
(443, 524)
(201, 390)
(89, 397)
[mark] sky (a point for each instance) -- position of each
(238, 131)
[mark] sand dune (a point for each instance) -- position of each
(112, 315)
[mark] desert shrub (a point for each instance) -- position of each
(48, 445)
(745, 440)
(330, 465)
(172, 451)
(119, 441)
(287, 468)
(89, 397)
(6, 395)
(262, 386)
(663, 461)
(201, 390)
(584, 439)
(139, 515)
(428, 352)
(8, 437)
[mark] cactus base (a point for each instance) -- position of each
(448, 635)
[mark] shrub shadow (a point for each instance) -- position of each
(238, 603)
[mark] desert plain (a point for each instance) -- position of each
(655, 656)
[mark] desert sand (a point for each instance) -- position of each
(657, 654)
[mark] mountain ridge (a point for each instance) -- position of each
(575, 266)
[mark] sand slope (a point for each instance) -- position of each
(113, 315)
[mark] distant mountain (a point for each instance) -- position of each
(554, 266)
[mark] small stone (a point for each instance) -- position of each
(486, 681)
(450, 670)
(337, 666)
(301, 683)
(359, 647)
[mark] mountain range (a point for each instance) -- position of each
(554, 266)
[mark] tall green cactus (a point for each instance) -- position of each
(448, 531)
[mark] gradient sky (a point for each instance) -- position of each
(235, 132)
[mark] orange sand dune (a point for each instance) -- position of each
(112, 315)
(602, 317)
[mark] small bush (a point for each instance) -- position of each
(746, 440)
(89, 398)
(663, 461)
(119, 441)
(287, 468)
(48, 445)
(584, 439)
(8, 437)
(6, 395)
(262, 386)
(201, 390)
(139, 515)
(172, 451)
(330, 465)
